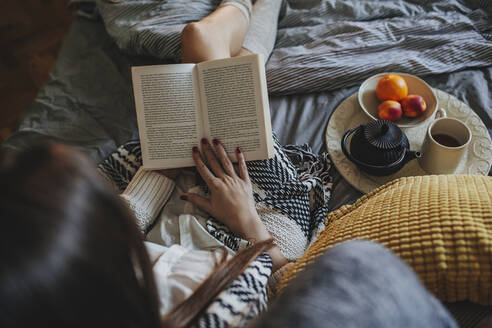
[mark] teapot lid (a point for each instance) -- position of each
(383, 134)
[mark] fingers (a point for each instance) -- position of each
(219, 169)
(224, 159)
(199, 201)
(205, 173)
(243, 170)
(211, 159)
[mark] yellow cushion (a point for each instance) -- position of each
(440, 225)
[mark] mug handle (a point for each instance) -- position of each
(344, 143)
(440, 113)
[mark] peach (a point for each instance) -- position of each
(390, 110)
(413, 105)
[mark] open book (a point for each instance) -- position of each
(225, 99)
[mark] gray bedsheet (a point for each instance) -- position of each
(330, 44)
(88, 102)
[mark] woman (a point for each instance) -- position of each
(72, 255)
(77, 229)
(235, 28)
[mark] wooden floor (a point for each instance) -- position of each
(31, 33)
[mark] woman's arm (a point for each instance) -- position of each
(147, 193)
(231, 200)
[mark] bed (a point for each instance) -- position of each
(324, 50)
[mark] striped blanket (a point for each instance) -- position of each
(328, 44)
(291, 191)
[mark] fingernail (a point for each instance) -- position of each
(216, 142)
(238, 150)
(183, 197)
(195, 149)
(204, 141)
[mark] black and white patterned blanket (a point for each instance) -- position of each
(295, 184)
(243, 300)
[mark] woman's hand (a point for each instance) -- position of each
(231, 201)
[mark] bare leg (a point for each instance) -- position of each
(219, 35)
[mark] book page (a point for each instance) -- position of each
(167, 103)
(235, 105)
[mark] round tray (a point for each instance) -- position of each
(348, 114)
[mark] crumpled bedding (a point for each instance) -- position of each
(88, 103)
(88, 100)
(326, 45)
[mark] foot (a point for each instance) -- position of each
(219, 35)
(243, 52)
(200, 42)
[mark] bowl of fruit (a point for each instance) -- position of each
(401, 98)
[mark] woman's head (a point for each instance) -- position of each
(70, 253)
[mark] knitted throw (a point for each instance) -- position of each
(291, 191)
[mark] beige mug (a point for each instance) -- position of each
(444, 145)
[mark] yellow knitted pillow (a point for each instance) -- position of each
(440, 225)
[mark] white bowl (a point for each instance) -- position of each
(370, 102)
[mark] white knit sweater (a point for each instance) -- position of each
(146, 194)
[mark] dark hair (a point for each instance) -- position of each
(71, 254)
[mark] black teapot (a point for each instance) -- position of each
(378, 148)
